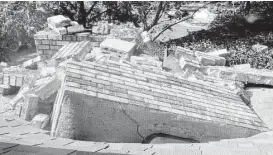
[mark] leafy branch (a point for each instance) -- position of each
(189, 17)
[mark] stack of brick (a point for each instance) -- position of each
(48, 42)
(121, 48)
(127, 101)
(77, 50)
(12, 79)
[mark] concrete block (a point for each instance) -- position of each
(6, 80)
(124, 48)
(45, 41)
(259, 48)
(29, 107)
(40, 121)
(75, 29)
(58, 21)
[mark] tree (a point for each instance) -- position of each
(145, 11)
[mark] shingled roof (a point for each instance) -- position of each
(161, 91)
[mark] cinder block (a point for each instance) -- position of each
(221, 53)
(29, 107)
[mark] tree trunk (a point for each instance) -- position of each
(82, 14)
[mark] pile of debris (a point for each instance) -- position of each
(40, 80)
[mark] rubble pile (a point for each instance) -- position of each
(40, 81)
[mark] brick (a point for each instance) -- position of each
(29, 107)
(61, 30)
(221, 53)
(62, 42)
(40, 121)
(125, 48)
(40, 52)
(75, 29)
(13, 80)
(45, 42)
(53, 42)
(40, 36)
(54, 47)
(38, 41)
(58, 21)
(55, 37)
(42, 47)
(50, 52)
(19, 81)
(6, 80)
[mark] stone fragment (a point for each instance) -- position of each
(75, 29)
(49, 88)
(124, 49)
(58, 21)
(29, 107)
(40, 121)
(259, 48)
(221, 53)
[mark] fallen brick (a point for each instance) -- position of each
(75, 29)
(221, 53)
(29, 107)
(123, 48)
(58, 21)
(46, 90)
(185, 64)
(40, 121)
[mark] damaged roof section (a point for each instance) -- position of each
(194, 101)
